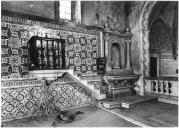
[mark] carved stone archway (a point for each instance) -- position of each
(145, 37)
(141, 35)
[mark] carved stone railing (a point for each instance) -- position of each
(166, 87)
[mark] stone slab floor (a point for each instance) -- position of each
(152, 113)
(92, 117)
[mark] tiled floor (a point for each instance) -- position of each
(92, 117)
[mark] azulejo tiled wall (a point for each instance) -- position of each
(162, 41)
(26, 98)
(168, 67)
(30, 97)
(81, 45)
(20, 98)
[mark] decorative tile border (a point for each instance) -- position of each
(47, 25)
(92, 77)
(22, 83)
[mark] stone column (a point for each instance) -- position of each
(78, 11)
(128, 54)
(102, 44)
(106, 53)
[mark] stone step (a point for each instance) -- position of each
(168, 99)
(112, 104)
(97, 91)
(133, 100)
(99, 96)
(91, 87)
(126, 102)
(96, 94)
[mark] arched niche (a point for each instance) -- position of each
(117, 55)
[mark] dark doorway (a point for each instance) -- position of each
(153, 66)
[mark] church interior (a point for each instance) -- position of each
(89, 63)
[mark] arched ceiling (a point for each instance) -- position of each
(165, 10)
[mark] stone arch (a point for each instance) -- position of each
(121, 51)
(145, 36)
(165, 33)
(141, 36)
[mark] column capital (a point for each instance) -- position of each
(128, 41)
(106, 36)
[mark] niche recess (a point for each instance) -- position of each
(118, 56)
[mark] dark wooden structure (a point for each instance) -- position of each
(46, 53)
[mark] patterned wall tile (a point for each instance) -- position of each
(26, 101)
(161, 40)
(68, 95)
(168, 66)
(20, 102)
(79, 46)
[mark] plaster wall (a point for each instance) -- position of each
(134, 23)
(138, 22)
(98, 13)
(38, 8)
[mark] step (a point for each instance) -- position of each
(133, 100)
(91, 87)
(99, 96)
(111, 104)
(126, 102)
(97, 91)
(168, 99)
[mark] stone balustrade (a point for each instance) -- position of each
(165, 87)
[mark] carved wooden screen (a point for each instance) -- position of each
(46, 53)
